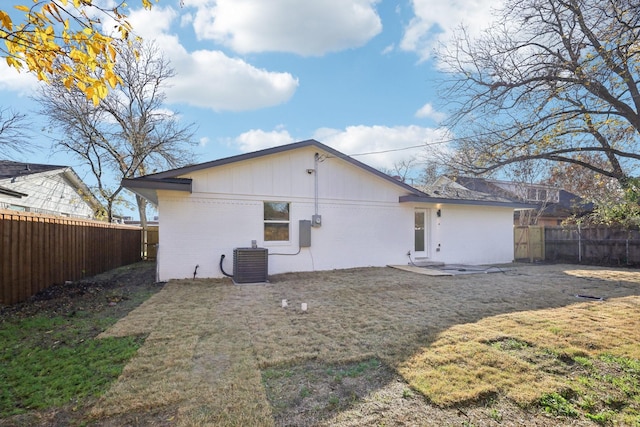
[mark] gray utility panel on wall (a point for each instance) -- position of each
(305, 233)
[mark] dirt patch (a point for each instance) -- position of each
(113, 289)
(307, 394)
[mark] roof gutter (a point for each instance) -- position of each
(82, 189)
(12, 193)
(422, 199)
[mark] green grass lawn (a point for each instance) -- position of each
(53, 361)
(49, 354)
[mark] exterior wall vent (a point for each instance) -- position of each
(250, 265)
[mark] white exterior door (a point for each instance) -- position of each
(421, 233)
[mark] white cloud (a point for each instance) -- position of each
(386, 145)
(435, 22)
(428, 112)
(24, 82)
(377, 146)
(387, 50)
(257, 139)
(186, 20)
(307, 28)
(152, 23)
(209, 78)
(203, 141)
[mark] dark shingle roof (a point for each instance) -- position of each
(567, 204)
(10, 169)
(446, 188)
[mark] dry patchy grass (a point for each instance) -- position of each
(216, 351)
(522, 355)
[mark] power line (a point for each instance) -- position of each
(426, 144)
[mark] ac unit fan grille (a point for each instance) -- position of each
(250, 265)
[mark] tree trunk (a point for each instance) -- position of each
(142, 211)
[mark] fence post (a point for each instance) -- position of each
(627, 247)
(579, 244)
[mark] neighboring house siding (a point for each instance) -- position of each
(46, 193)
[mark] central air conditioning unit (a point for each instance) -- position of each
(250, 265)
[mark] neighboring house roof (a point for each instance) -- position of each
(567, 203)
(10, 171)
(446, 188)
(147, 186)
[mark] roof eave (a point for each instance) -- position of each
(148, 187)
(83, 189)
(12, 193)
(444, 200)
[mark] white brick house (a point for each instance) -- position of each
(360, 216)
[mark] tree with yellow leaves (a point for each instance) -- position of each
(62, 38)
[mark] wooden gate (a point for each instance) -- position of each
(528, 243)
(150, 243)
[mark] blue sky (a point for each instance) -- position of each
(357, 75)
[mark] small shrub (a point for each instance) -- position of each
(407, 393)
(603, 418)
(556, 404)
(495, 415)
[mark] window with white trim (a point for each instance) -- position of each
(276, 221)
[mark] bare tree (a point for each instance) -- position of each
(552, 80)
(129, 133)
(590, 185)
(401, 169)
(525, 178)
(13, 131)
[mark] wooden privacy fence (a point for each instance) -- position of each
(593, 245)
(37, 251)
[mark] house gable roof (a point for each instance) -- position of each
(445, 188)
(147, 186)
(10, 170)
(170, 180)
